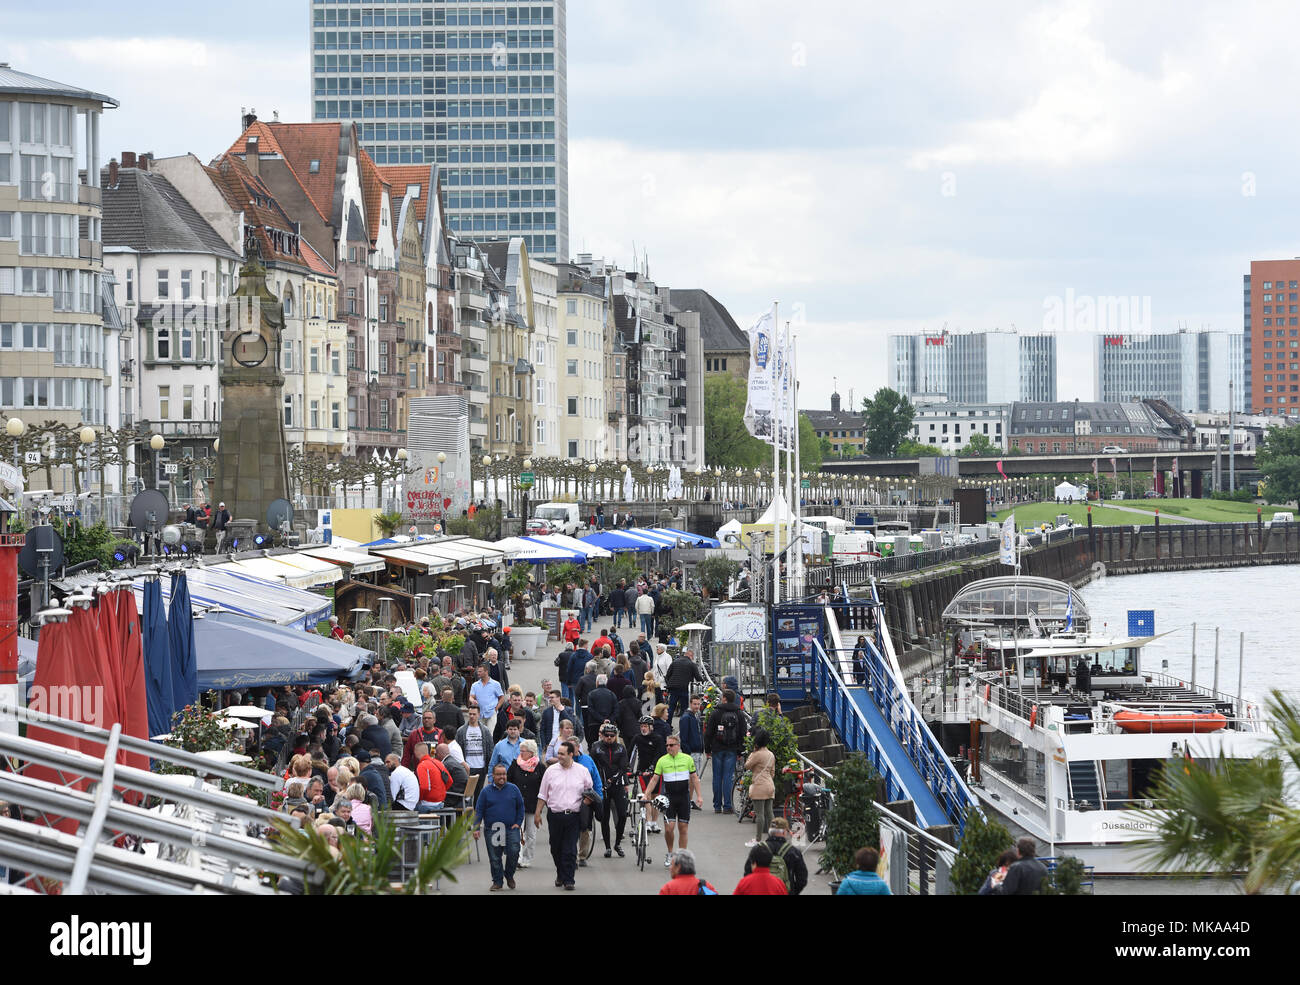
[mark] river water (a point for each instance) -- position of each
(1260, 602)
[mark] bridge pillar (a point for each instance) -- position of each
(1198, 483)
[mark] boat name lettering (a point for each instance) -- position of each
(1127, 826)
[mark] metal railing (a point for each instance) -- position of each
(917, 742)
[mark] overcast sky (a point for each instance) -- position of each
(874, 167)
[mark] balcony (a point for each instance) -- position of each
(90, 250)
(90, 195)
(188, 429)
(448, 342)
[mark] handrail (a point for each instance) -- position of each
(914, 735)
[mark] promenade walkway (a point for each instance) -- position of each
(717, 840)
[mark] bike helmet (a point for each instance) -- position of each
(661, 802)
(609, 728)
(646, 720)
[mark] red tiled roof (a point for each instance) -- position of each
(314, 260)
(373, 187)
(401, 175)
(299, 144)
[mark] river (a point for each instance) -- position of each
(1259, 602)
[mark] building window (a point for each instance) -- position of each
(315, 413)
(571, 336)
(163, 343)
(571, 367)
(573, 406)
(130, 285)
(383, 307)
(573, 449)
(352, 411)
(163, 290)
(334, 416)
(164, 403)
(186, 276)
(352, 352)
(383, 358)
(572, 309)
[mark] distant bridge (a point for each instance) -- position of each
(1139, 463)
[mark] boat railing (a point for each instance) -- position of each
(1013, 701)
(1246, 710)
(986, 767)
(890, 696)
(1107, 725)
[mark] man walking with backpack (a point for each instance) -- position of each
(724, 735)
(787, 863)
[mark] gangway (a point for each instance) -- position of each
(876, 716)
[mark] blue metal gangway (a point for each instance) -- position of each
(878, 719)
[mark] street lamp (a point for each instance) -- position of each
(156, 443)
(87, 437)
(15, 427)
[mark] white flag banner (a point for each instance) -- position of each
(785, 390)
(675, 488)
(1007, 545)
(629, 487)
(759, 399)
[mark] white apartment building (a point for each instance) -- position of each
(586, 338)
(950, 425)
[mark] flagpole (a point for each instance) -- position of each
(798, 465)
(772, 349)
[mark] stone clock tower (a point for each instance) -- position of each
(252, 467)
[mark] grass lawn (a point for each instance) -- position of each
(1032, 514)
(1213, 510)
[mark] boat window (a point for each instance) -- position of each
(1121, 661)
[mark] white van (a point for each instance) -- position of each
(1282, 516)
(556, 518)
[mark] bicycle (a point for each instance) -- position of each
(640, 837)
(819, 802)
(793, 807)
(744, 806)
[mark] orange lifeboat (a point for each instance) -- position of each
(1170, 721)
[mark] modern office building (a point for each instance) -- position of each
(1271, 338)
(57, 361)
(1188, 370)
(479, 90)
(974, 367)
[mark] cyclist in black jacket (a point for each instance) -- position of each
(647, 748)
(611, 761)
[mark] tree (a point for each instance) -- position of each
(980, 445)
(1279, 459)
(811, 453)
(727, 442)
(1232, 815)
(854, 821)
(714, 574)
(889, 421)
(913, 449)
(982, 842)
(827, 450)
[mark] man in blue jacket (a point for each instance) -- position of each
(578, 661)
(691, 731)
(587, 828)
(501, 808)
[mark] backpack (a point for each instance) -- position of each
(778, 867)
(729, 728)
(705, 889)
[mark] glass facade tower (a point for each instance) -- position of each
(476, 87)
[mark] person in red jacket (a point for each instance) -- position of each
(434, 781)
(760, 881)
(572, 630)
(684, 881)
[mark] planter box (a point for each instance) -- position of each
(525, 641)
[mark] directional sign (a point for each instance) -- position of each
(526, 478)
(805, 483)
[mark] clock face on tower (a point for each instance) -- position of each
(249, 350)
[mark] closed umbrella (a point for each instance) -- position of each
(180, 635)
(157, 660)
(135, 705)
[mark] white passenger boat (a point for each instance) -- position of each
(1066, 730)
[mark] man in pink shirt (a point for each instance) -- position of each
(561, 794)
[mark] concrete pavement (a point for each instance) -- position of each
(717, 840)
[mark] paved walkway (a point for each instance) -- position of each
(717, 840)
(1151, 517)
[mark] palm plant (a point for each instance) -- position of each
(388, 522)
(364, 866)
(1232, 815)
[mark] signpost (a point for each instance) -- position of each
(526, 479)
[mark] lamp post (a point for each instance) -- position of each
(402, 456)
(591, 483)
(87, 437)
(156, 443)
(15, 427)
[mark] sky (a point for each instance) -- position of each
(871, 167)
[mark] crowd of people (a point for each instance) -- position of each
(621, 719)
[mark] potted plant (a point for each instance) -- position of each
(388, 522)
(982, 841)
(854, 821)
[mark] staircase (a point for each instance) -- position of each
(1084, 787)
(817, 740)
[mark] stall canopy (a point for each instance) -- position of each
(650, 537)
(273, 569)
(355, 562)
(234, 651)
(322, 571)
(778, 511)
(584, 547)
(445, 554)
(406, 557)
(697, 540)
(619, 542)
(532, 551)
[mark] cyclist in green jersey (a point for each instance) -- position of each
(681, 785)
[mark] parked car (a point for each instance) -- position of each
(1114, 450)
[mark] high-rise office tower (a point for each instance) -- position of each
(1272, 337)
(477, 88)
(974, 367)
(1190, 371)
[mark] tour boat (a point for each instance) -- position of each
(1065, 731)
